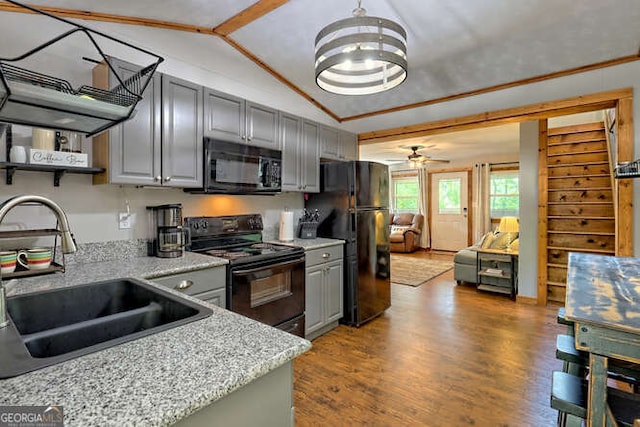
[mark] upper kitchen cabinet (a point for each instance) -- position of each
(300, 162)
(162, 144)
(329, 142)
(234, 119)
(182, 151)
(337, 145)
(348, 146)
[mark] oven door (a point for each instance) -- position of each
(271, 292)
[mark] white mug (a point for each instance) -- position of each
(18, 154)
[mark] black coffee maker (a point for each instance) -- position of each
(165, 231)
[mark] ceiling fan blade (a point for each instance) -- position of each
(436, 161)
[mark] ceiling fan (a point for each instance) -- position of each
(417, 158)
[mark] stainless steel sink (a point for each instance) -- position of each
(53, 326)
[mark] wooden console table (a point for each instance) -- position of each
(497, 271)
(603, 300)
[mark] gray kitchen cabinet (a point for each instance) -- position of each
(162, 144)
(329, 143)
(348, 146)
(208, 284)
(324, 299)
(336, 144)
(310, 160)
(300, 162)
(234, 119)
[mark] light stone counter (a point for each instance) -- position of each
(309, 244)
(159, 379)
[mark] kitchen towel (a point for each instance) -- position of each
(286, 226)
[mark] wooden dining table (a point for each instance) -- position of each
(603, 300)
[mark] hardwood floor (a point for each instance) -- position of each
(442, 355)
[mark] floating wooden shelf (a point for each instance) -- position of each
(58, 171)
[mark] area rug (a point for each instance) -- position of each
(415, 271)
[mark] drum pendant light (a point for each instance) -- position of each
(361, 55)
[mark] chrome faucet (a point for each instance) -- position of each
(66, 239)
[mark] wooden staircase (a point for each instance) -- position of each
(580, 207)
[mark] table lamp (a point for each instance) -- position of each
(509, 225)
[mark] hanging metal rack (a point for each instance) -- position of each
(36, 99)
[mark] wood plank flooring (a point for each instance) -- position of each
(442, 355)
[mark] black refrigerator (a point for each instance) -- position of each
(353, 204)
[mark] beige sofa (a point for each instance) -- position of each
(406, 229)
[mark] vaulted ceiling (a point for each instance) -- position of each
(456, 48)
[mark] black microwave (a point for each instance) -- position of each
(231, 168)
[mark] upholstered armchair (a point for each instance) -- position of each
(406, 229)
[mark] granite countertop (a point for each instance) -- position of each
(159, 379)
(309, 244)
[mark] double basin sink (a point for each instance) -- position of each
(53, 326)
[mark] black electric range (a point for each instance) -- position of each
(265, 281)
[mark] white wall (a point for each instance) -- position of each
(528, 249)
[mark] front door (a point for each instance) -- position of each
(449, 211)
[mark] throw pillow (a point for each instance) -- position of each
(515, 245)
(398, 228)
(500, 241)
(487, 240)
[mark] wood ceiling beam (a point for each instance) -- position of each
(248, 15)
(279, 76)
(540, 110)
(508, 85)
(108, 17)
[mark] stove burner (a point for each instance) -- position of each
(217, 252)
(262, 246)
(234, 255)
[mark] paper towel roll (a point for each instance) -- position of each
(286, 226)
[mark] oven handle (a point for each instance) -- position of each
(280, 264)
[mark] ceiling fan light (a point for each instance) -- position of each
(361, 55)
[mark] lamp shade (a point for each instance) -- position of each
(509, 224)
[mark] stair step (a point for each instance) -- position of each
(575, 154)
(582, 233)
(586, 251)
(586, 127)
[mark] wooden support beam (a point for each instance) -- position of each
(536, 111)
(247, 16)
(543, 185)
(108, 17)
(624, 187)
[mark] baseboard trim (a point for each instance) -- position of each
(526, 300)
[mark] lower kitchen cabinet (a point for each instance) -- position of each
(324, 297)
(208, 285)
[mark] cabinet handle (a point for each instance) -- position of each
(249, 138)
(167, 179)
(304, 186)
(326, 255)
(185, 284)
(157, 178)
(244, 137)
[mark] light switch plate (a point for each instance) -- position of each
(125, 220)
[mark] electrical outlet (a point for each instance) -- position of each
(125, 220)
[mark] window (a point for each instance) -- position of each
(449, 196)
(504, 195)
(405, 194)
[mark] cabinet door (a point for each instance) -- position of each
(314, 290)
(134, 152)
(182, 152)
(262, 126)
(348, 146)
(334, 307)
(310, 161)
(217, 297)
(224, 116)
(329, 143)
(290, 141)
